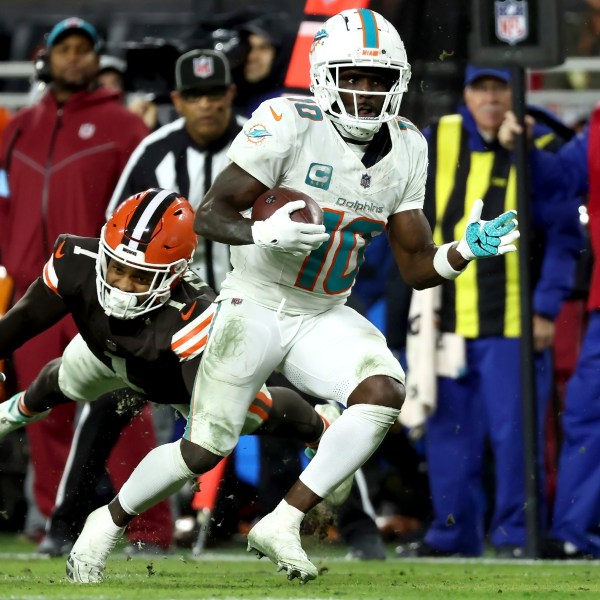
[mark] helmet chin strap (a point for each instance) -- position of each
(119, 302)
(354, 133)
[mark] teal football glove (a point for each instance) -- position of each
(483, 239)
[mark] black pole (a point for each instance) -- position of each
(528, 391)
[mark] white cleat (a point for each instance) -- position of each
(280, 543)
(340, 494)
(87, 559)
(12, 418)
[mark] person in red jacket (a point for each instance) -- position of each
(59, 162)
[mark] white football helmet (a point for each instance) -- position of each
(357, 38)
(152, 231)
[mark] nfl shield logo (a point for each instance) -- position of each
(86, 131)
(512, 22)
(203, 66)
(365, 181)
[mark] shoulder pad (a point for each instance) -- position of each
(406, 125)
(196, 319)
(67, 244)
(60, 265)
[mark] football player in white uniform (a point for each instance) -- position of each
(282, 306)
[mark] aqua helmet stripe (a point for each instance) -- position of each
(370, 33)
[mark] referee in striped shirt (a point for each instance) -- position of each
(187, 154)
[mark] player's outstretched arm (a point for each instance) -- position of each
(35, 312)
(423, 264)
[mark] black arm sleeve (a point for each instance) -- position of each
(36, 311)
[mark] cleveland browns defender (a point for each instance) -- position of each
(143, 320)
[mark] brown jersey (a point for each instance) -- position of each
(147, 351)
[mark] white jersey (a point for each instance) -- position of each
(288, 142)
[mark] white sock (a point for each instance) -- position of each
(110, 528)
(289, 513)
(347, 445)
(160, 473)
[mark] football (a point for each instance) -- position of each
(271, 200)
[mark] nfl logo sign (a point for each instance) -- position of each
(512, 23)
(203, 66)
(365, 181)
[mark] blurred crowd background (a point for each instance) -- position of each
(150, 35)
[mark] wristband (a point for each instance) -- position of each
(442, 265)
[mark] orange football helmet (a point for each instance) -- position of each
(152, 231)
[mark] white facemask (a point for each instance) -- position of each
(118, 303)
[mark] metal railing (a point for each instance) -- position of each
(14, 70)
(566, 104)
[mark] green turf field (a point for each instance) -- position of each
(231, 574)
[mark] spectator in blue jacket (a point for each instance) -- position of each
(480, 405)
(574, 172)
